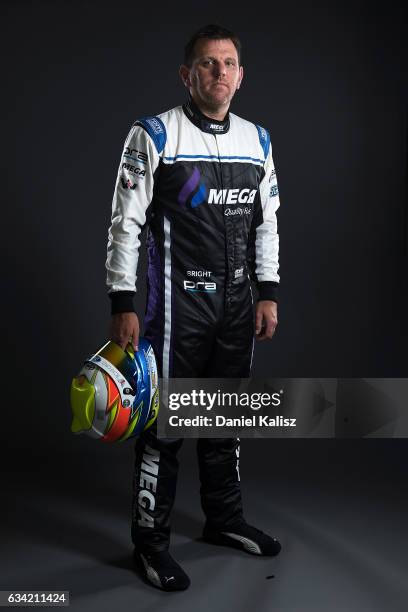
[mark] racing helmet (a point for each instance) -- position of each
(115, 395)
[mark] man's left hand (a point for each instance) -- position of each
(266, 319)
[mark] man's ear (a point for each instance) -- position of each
(241, 76)
(184, 73)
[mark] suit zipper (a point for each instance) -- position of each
(228, 275)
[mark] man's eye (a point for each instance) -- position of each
(207, 62)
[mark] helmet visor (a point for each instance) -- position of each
(116, 362)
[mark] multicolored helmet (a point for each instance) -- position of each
(116, 396)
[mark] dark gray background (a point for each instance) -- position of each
(329, 82)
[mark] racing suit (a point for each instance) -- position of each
(207, 191)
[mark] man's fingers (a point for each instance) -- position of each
(270, 328)
(124, 330)
(122, 341)
(265, 324)
(135, 339)
(258, 322)
(121, 338)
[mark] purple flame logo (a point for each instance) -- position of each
(189, 186)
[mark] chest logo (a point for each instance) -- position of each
(190, 187)
(194, 187)
(231, 196)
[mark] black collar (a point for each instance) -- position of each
(205, 124)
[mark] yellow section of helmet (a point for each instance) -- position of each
(82, 404)
(132, 424)
(130, 351)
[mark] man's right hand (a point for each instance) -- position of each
(124, 328)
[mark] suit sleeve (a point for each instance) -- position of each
(132, 196)
(266, 234)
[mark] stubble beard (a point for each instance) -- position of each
(215, 104)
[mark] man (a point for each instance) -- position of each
(204, 182)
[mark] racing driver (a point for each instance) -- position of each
(203, 180)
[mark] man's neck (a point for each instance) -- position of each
(206, 122)
(217, 114)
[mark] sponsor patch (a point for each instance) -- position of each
(136, 155)
(231, 212)
(200, 286)
(199, 273)
(231, 196)
(127, 184)
(134, 170)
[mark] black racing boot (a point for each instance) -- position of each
(161, 570)
(244, 537)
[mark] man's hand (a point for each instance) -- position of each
(266, 319)
(124, 328)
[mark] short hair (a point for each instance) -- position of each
(212, 32)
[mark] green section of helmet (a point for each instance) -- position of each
(130, 351)
(112, 415)
(82, 404)
(154, 410)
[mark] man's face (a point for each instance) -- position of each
(214, 75)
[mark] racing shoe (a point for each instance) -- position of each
(244, 537)
(161, 570)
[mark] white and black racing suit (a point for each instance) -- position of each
(207, 191)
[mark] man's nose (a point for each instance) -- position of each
(219, 69)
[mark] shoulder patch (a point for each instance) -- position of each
(156, 130)
(264, 139)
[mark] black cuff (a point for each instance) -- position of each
(268, 290)
(122, 301)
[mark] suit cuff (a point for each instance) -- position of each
(268, 290)
(122, 301)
